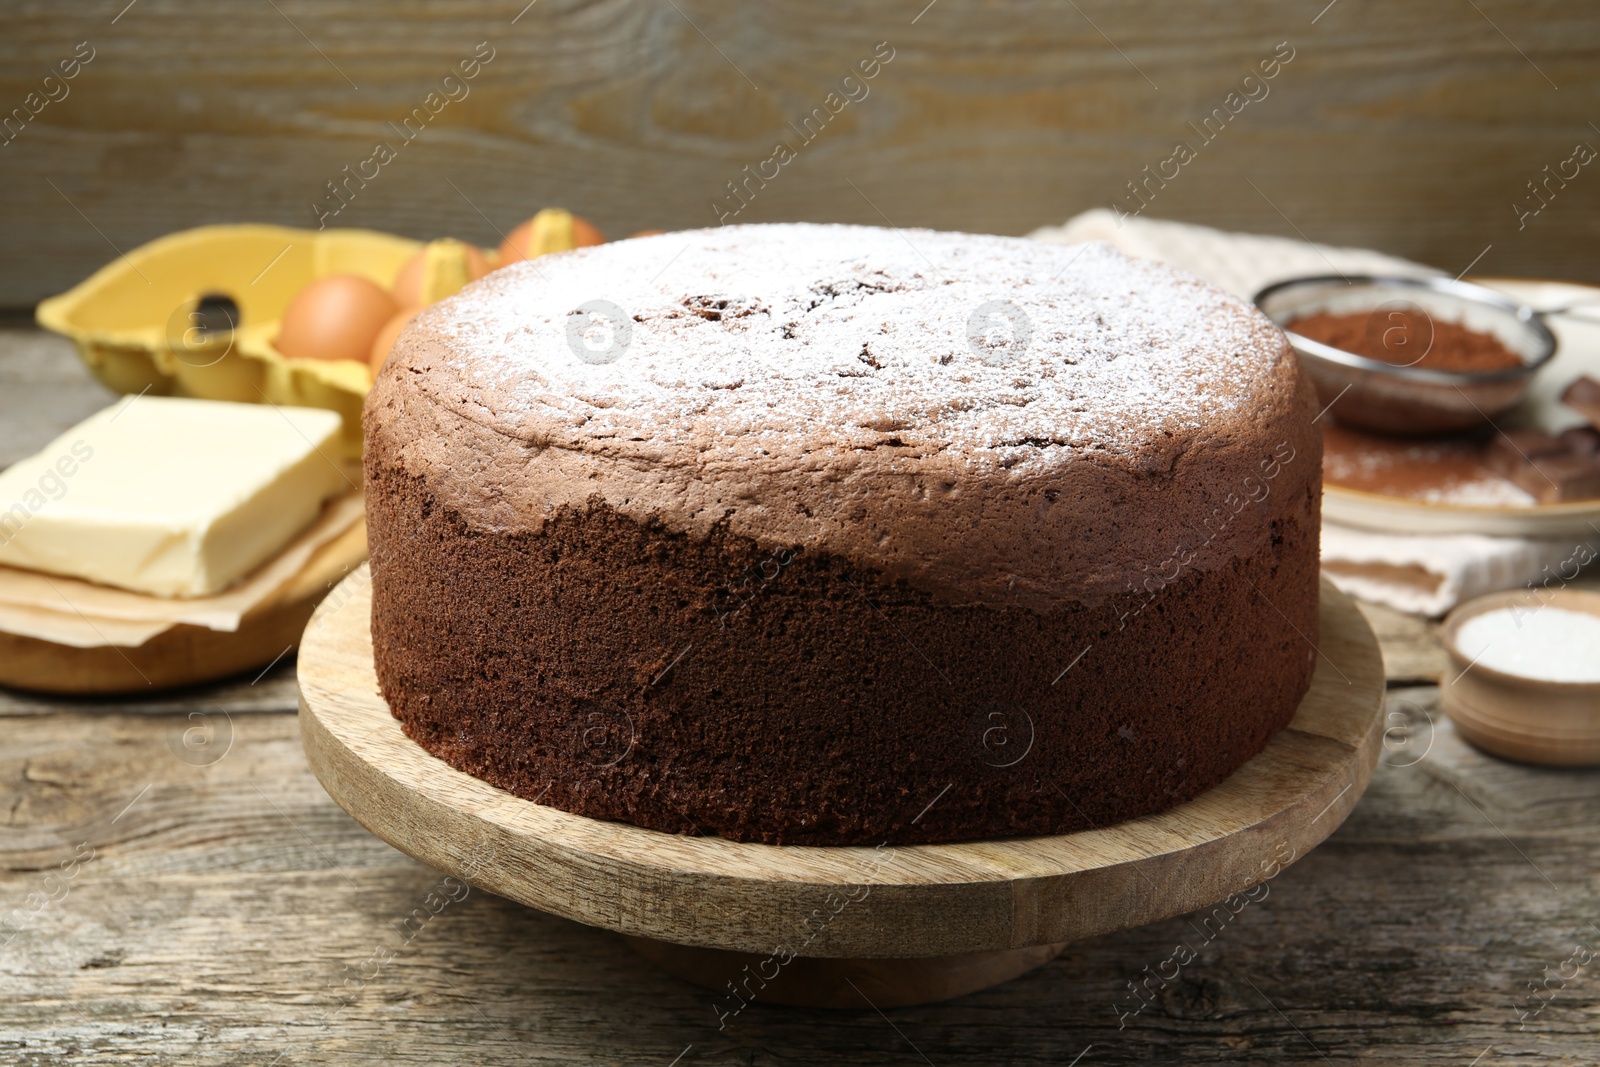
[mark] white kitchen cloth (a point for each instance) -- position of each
(1424, 575)
(1430, 575)
(1239, 262)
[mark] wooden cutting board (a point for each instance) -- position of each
(185, 654)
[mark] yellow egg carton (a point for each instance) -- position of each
(195, 314)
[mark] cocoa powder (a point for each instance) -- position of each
(1409, 339)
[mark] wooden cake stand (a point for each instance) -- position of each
(842, 927)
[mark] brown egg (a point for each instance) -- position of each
(407, 287)
(411, 284)
(585, 234)
(335, 317)
(513, 248)
(646, 233)
(551, 230)
(477, 263)
(388, 335)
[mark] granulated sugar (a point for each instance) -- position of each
(1551, 644)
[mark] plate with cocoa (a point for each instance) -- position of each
(1450, 406)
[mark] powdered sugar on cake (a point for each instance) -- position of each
(993, 420)
(761, 340)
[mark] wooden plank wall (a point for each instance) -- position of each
(1408, 125)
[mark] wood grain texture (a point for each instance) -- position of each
(233, 915)
(45, 390)
(1411, 649)
(1410, 126)
(271, 691)
(919, 900)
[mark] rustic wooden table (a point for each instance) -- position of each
(178, 889)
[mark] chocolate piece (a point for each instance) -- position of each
(1583, 396)
(836, 547)
(1558, 478)
(1581, 440)
(1512, 450)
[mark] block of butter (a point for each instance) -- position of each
(170, 496)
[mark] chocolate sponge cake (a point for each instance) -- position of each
(839, 535)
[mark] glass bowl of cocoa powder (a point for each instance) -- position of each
(1415, 357)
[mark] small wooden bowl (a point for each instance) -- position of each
(1511, 715)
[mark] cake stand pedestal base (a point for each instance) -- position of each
(810, 982)
(921, 923)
